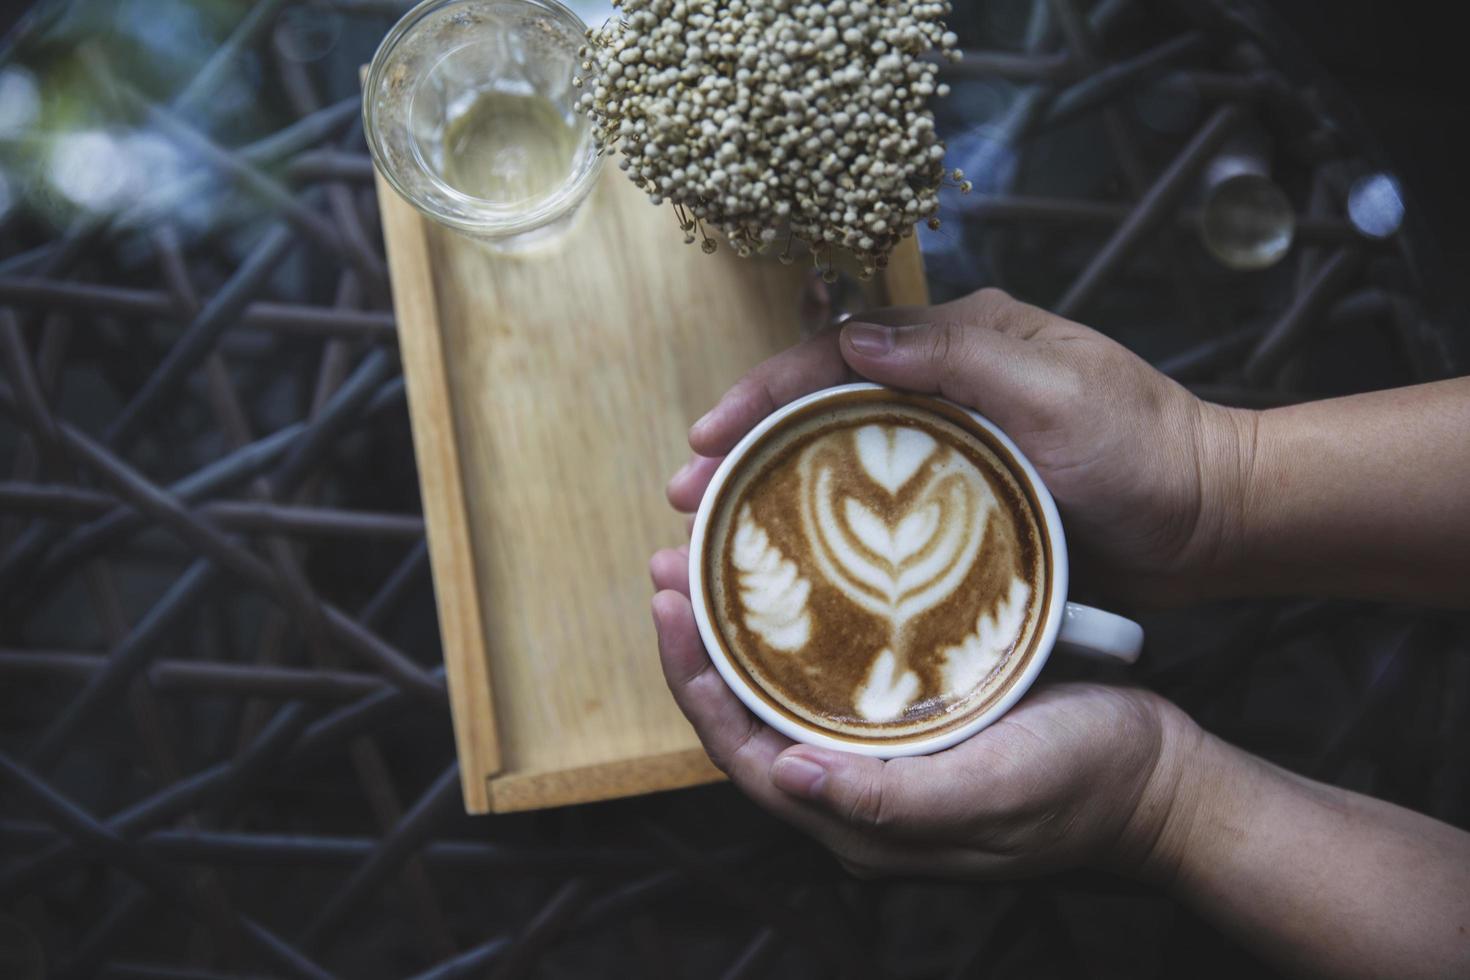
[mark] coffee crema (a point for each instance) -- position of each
(876, 568)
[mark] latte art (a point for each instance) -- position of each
(876, 570)
(897, 569)
(773, 596)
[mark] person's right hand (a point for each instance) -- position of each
(1150, 479)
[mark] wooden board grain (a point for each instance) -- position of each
(551, 394)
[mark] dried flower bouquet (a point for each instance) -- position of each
(775, 121)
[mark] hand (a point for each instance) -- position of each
(1074, 774)
(1149, 479)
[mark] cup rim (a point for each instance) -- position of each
(552, 208)
(1045, 641)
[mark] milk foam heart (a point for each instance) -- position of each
(891, 455)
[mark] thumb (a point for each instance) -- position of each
(901, 796)
(974, 365)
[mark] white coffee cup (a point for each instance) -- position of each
(1079, 629)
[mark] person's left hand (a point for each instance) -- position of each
(1073, 774)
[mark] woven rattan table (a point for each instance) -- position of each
(224, 741)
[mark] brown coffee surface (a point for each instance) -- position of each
(876, 569)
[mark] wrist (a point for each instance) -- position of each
(1227, 444)
(1182, 798)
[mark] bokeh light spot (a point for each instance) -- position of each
(83, 166)
(1376, 205)
(20, 101)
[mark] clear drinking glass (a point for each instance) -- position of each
(470, 113)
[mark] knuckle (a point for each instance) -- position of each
(866, 809)
(994, 308)
(769, 400)
(742, 746)
(755, 387)
(716, 758)
(992, 297)
(1071, 375)
(998, 310)
(946, 344)
(690, 680)
(953, 363)
(726, 756)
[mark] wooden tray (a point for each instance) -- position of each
(550, 397)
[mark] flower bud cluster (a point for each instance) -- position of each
(776, 119)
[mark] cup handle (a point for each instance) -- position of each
(1100, 635)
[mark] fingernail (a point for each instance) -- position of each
(866, 338)
(798, 776)
(682, 471)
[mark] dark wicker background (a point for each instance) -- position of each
(224, 743)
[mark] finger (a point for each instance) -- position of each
(901, 798)
(969, 364)
(686, 487)
(669, 569)
(807, 367)
(992, 308)
(735, 740)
